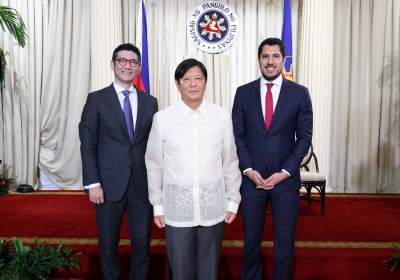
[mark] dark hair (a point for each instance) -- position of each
(272, 42)
(185, 65)
(126, 47)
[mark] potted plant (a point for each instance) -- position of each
(24, 262)
(6, 184)
(10, 20)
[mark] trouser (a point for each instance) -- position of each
(109, 217)
(285, 208)
(194, 251)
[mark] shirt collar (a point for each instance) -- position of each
(120, 89)
(186, 110)
(276, 82)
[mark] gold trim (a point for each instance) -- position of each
(80, 192)
(53, 193)
(225, 243)
(357, 195)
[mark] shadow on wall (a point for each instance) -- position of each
(381, 175)
(390, 77)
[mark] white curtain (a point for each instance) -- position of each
(19, 118)
(315, 72)
(65, 85)
(346, 52)
(130, 9)
(45, 89)
(105, 36)
(169, 43)
(365, 134)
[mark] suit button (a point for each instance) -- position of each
(131, 148)
(265, 155)
(129, 166)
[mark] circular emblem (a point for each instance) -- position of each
(213, 27)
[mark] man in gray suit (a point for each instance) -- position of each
(114, 129)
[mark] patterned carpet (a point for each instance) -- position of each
(349, 242)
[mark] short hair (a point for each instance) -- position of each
(272, 42)
(126, 47)
(185, 65)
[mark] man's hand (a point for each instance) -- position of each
(256, 178)
(230, 216)
(159, 221)
(274, 180)
(96, 195)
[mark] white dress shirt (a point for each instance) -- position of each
(275, 90)
(192, 166)
(132, 98)
(134, 105)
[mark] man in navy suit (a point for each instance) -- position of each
(272, 124)
(114, 129)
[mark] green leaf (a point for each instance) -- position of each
(77, 254)
(10, 19)
(27, 249)
(18, 245)
(395, 264)
(76, 265)
(389, 260)
(37, 242)
(397, 248)
(59, 245)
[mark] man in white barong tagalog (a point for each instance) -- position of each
(193, 174)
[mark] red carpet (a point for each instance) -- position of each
(349, 242)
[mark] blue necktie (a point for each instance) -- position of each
(128, 114)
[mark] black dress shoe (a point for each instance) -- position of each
(25, 189)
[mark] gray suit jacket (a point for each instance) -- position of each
(108, 155)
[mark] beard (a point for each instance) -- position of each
(272, 78)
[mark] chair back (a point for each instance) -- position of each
(308, 158)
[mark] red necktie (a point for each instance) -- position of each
(269, 106)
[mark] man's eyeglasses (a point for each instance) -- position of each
(132, 62)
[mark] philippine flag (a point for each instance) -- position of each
(142, 80)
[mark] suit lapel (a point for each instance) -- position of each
(256, 96)
(283, 96)
(140, 112)
(112, 98)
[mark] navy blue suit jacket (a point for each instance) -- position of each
(108, 154)
(293, 118)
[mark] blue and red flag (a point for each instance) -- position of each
(142, 80)
(287, 70)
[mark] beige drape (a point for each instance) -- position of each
(46, 86)
(365, 134)
(65, 85)
(105, 36)
(168, 43)
(345, 51)
(315, 72)
(19, 118)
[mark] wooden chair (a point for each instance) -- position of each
(311, 180)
